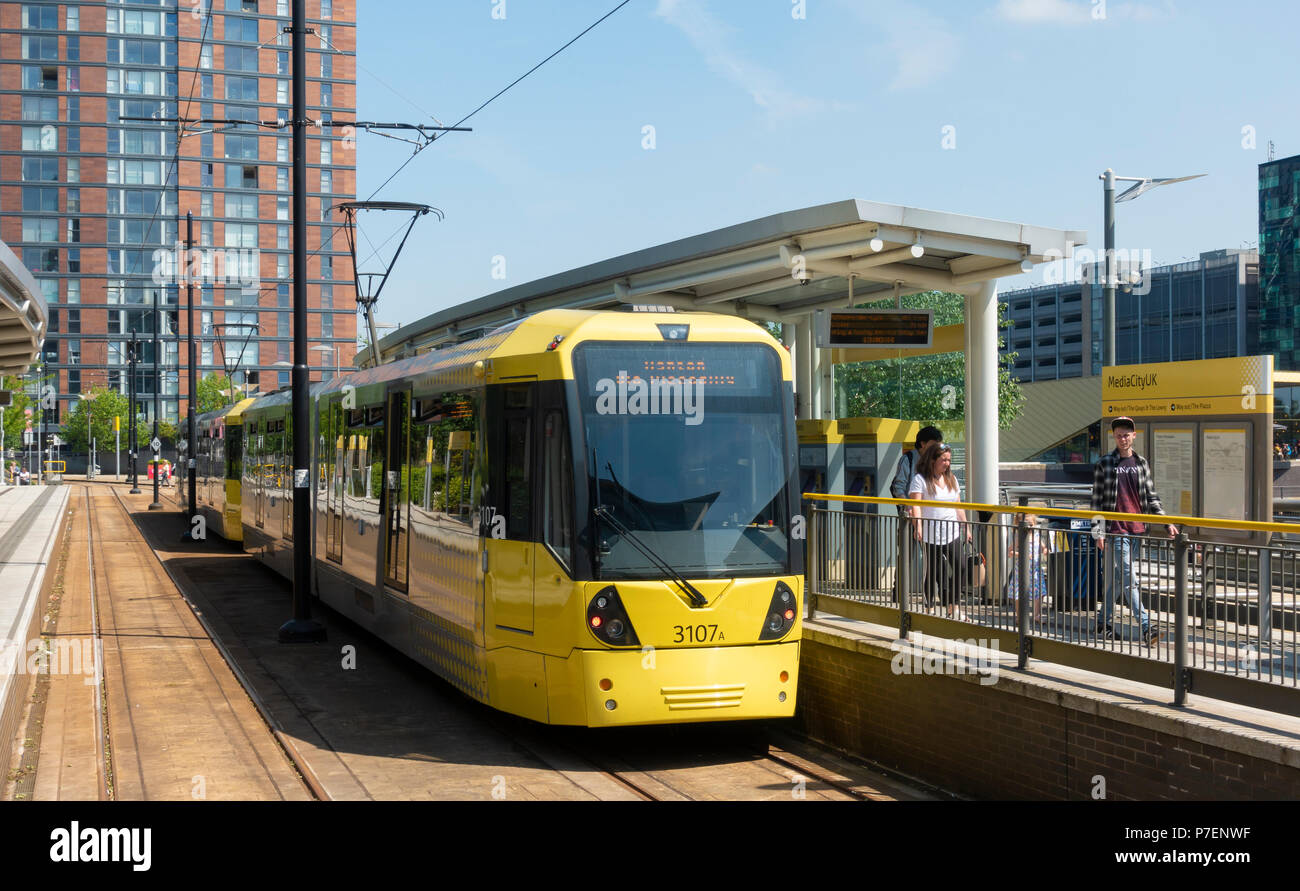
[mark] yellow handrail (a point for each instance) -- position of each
(1157, 519)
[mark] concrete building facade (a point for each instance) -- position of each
(1202, 309)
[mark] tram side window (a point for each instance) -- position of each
(518, 479)
(365, 436)
(444, 456)
(234, 453)
(421, 487)
(358, 441)
(557, 492)
(375, 476)
(216, 452)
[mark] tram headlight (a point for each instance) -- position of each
(781, 613)
(608, 621)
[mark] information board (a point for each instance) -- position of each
(1174, 468)
(1225, 487)
(875, 328)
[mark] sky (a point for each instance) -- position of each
(676, 117)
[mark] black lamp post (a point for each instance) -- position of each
(302, 628)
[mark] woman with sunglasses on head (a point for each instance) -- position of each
(939, 528)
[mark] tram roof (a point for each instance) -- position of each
(23, 314)
(748, 269)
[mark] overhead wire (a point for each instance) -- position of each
(334, 229)
(484, 105)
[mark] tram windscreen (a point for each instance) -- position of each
(685, 444)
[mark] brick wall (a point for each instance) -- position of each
(1023, 739)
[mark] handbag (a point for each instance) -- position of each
(975, 567)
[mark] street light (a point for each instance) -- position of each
(281, 364)
(1144, 184)
(326, 348)
(90, 432)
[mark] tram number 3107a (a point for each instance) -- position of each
(697, 634)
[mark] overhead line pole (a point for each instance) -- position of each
(302, 628)
(131, 434)
(192, 415)
(157, 396)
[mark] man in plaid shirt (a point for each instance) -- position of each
(1121, 482)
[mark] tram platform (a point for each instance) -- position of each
(959, 713)
(30, 522)
(199, 700)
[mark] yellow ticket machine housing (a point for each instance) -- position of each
(821, 469)
(872, 448)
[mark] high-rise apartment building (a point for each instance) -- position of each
(1199, 309)
(1279, 254)
(94, 203)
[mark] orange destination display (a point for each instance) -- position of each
(875, 328)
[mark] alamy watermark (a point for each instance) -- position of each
(1131, 269)
(660, 395)
(55, 656)
(941, 655)
(229, 267)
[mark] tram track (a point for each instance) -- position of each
(132, 667)
(665, 763)
(295, 758)
(103, 743)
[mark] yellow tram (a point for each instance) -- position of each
(219, 468)
(581, 518)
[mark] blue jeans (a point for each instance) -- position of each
(1119, 562)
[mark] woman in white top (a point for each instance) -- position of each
(940, 528)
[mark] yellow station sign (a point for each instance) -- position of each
(1231, 386)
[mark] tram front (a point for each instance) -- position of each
(685, 451)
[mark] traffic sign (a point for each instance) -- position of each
(155, 444)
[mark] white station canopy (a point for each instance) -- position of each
(777, 268)
(786, 267)
(23, 315)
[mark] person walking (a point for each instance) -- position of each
(1122, 483)
(940, 528)
(1037, 547)
(900, 487)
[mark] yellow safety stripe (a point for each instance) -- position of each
(1158, 519)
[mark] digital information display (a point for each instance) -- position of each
(876, 328)
(720, 369)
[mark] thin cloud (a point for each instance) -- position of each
(1075, 12)
(921, 46)
(712, 38)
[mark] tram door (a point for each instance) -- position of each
(396, 498)
(258, 474)
(332, 447)
(286, 478)
(514, 558)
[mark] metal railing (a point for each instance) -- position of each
(1207, 617)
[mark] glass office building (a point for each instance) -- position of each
(95, 185)
(1279, 253)
(1202, 309)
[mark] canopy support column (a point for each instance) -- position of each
(982, 394)
(803, 374)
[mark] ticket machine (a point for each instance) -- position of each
(821, 469)
(872, 448)
(821, 456)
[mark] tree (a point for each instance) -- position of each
(211, 395)
(923, 388)
(100, 405)
(15, 419)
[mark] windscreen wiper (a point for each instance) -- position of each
(697, 599)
